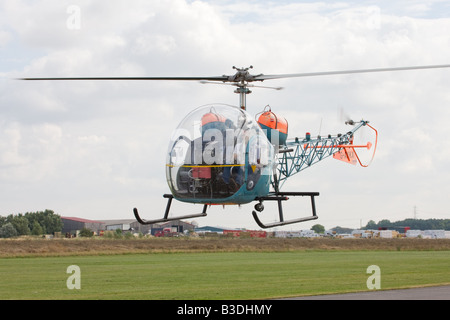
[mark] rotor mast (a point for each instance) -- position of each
(242, 90)
(241, 77)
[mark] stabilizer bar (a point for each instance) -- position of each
(166, 214)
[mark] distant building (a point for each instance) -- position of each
(73, 224)
(428, 234)
(176, 226)
(209, 229)
(296, 234)
(123, 224)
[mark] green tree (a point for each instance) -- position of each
(2, 221)
(128, 235)
(48, 220)
(118, 233)
(371, 225)
(8, 231)
(341, 230)
(85, 232)
(418, 224)
(20, 223)
(36, 229)
(385, 223)
(51, 222)
(35, 223)
(318, 228)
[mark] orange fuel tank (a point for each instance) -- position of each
(275, 127)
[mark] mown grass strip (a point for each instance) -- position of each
(219, 275)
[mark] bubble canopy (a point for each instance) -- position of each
(219, 154)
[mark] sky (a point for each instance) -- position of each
(97, 149)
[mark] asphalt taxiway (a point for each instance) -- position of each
(423, 293)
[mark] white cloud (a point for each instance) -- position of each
(9, 146)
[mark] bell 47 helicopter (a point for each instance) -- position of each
(220, 155)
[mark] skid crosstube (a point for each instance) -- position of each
(283, 196)
(166, 214)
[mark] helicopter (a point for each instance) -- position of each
(220, 155)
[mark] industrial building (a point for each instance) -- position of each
(176, 226)
(122, 224)
(72, 225)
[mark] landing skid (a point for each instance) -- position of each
(166, 214)
(279, 197)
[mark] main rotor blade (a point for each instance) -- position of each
(326, 73)
(247, 77)
(219, 78)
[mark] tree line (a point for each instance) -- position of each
(414, 224)
(30, 223)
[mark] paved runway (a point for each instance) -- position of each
(426, 293)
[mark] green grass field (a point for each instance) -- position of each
(218, 275)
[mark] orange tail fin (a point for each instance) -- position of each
(347, 155)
